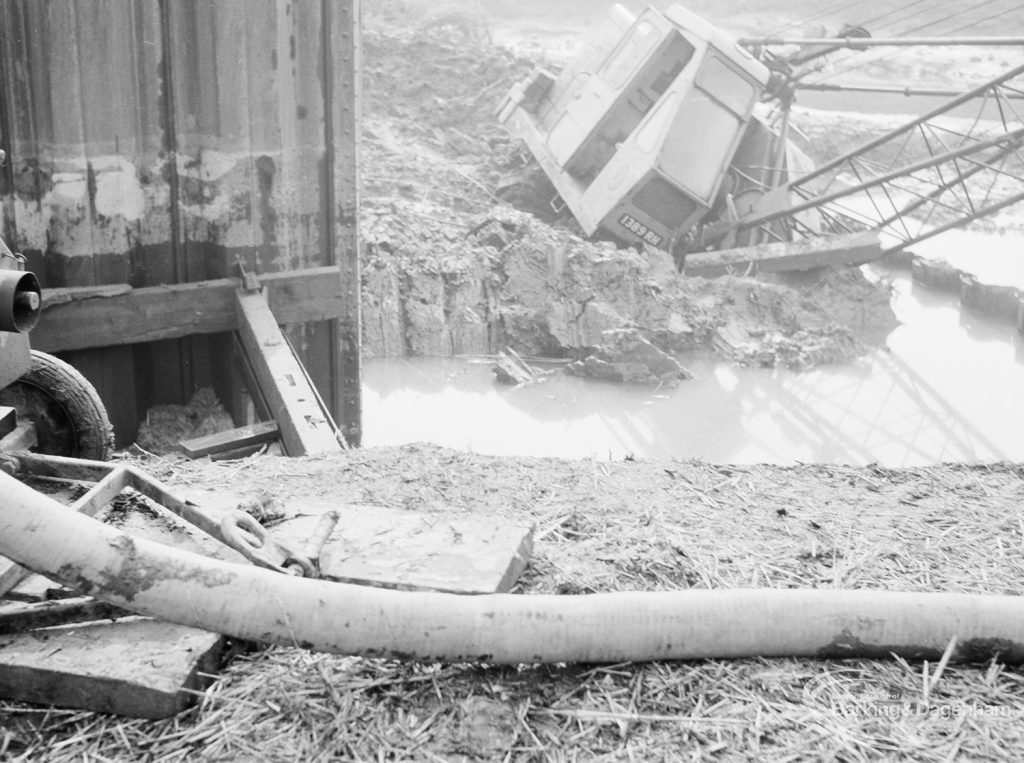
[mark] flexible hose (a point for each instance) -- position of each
(260, 605)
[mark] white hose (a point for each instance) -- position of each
(255, 604)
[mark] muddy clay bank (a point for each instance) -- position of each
(516, 282)
(463, 253)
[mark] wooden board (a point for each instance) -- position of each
(852, 249)
(435, 552)
(135, 667)
(233, 439)
(390, 548)
(304, 426)
(83, 317)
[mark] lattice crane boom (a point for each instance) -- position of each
(935, 172)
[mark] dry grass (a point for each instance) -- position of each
(614, 526)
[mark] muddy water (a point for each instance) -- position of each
(946, 388)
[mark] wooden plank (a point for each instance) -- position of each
(305, 429)
(134, 667)
(851, 249)
(254, 434)
(91, 317)
(260, 408)
(61, 295)
(426, 552)
(342, 69)
(416, 551)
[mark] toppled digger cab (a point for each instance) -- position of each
(651, 130)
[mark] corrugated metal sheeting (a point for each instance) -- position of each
(156, 141)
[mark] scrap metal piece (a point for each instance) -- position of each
(309, 563)
(238, 530)
(243, 533)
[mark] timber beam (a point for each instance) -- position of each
(304, 425)
(806, 254)
(80, 318)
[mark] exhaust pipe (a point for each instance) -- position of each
(20, 301)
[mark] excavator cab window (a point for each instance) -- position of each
(621, 64)
(726, 86)
(643, 77)
(706, 129)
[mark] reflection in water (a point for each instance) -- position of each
(993, 259)
(879, 408)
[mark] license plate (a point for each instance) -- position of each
(640, 230)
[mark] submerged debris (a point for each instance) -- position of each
(626, 356)
(510, 368)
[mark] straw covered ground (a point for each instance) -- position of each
(631, 525)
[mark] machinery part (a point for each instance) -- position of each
(251, 603)
(308, 565)
(115, 480)
(20, 301)
(247, 536)
(69, 416)
(237, 529)
(927, 176)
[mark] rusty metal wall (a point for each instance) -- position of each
(156, 141)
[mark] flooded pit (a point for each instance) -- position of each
(947, 387)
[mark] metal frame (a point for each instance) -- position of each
(235, 529)
(968, 172)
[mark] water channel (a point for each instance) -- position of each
(947, 387)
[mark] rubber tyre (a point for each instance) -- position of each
(70, 418)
